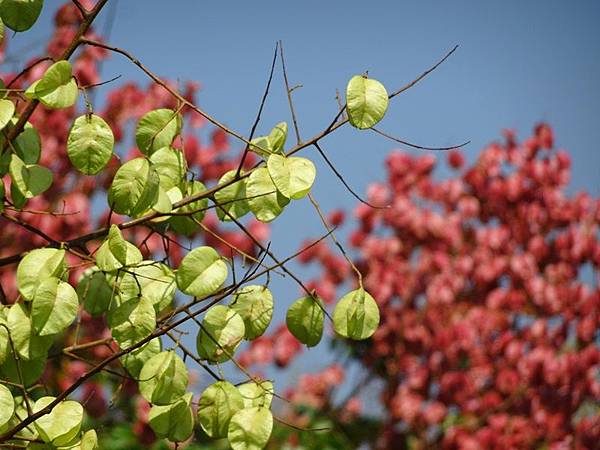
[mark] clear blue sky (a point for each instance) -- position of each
(518, 63)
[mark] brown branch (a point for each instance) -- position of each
(289, 95)
(418, 147)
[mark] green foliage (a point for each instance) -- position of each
(250, 428)
(201, 273)
(38, 265)
(265, 201)
(134, 188)
(163, 378)
(57, 88)
(304, 319)
(257, 393)
(255, 305)
(218, 403)
(366, 101)
(174, 421)
(231, 200)
(7, 109)
(115, 252)
(94, 291)
(54, 307)
(131, 320)
(356, 315)
(7, 405)
(62, 424)
(90, 144)
(221, 333)
(20, 15)
(157, 129)
(29, 179)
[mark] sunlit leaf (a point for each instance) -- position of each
(36, 266)
(29, 179)
(94, 291)
(366, 101)
(157, 129)
(221, 333)
(150, 279)
(57, 88)
(305, 319)
(7, 109)
(231, 198)
(257, 393)
(134, 188)
(115, 252)
(356, 315)
(250, 429)
(184, 224)
(218, 403)
(163, 378)
(175, 421)
(90, 144)
(7, 405)
(62, 424)
(293, 176)
(131, 321)
(265, 201)
(170, 165)
(54, 307)
(135, 360)
(202, 272)
(255, 305)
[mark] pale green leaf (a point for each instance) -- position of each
(163, 378)
(257, 393)
(366, 101)
(265, 201)
(221, 333)
(27, 344)
(29, 179)
(250, 429)
(174, 422)
(134, 188)
(135, 360)
(218, 403)
(293, 176)
(90, 144)
(187, 224)
(36, 266)
(356, 315)
(255, 305)
(54, 307)
(57, 88)
(231, 198)
(202, 272)
(305, 319)
(62, 424)
(157, 129)
(7, 405)
(170, 165)
(115, 252)
(277, 137)
(150, 279)
(131, 321)
(7, 109)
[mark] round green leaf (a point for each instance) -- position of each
(218, 403)
(157, 129)
(4, 344)
(94, 291)
(57, 88)
(90, 144)
(7, 405)
(28, 372)
(261, 145)
(366, 101)
(54, 307)
(170, 165)
(62, 424)
(277, 137)
(250, 429)
(257, 393)
(26, 145)
(265, 201)
(231, 198)
(221, 332)
(131, 321)
(7, 109)
(174, 422)
(356, 316)
(29, 179)
(292, 176)
(135, 360)
(27, 344)
(202, 272)
(150, 279)
(36, 266)
(134, 188)
(163, 378)
(255, 305)
(115, 252)
(89, 441)
(304, 319)
(20, 15)
(187, 224)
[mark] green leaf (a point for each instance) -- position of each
(265, 201)
(90, 144)
(54, 307)
(115, 252)
(218, 403)
(135, 360)
(250, 429)
(7, 405)
(89, 441)
(7, 109)
(4, 344)
(157, 129)
(94, 291)
(28, 345)
(221, 333)
(28, 372)
(231, 198)
(20, 15)
(26, 145)
(305, 319)
(202, 272)
(134, 188)
(174, 422)
(255, 305)
(293, 176)
(2, 195)
(29, 179)
(277, 137)
(131, 321)
(1, 35)
(150, 279)
(170, 165)
(367, 101)
(257, 393)
(57, 88)
(261, 146)
(356, 316)
(62, 424)
(163, 378)
(36, 266)
(184, 224)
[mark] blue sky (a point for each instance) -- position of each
(518, 63)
